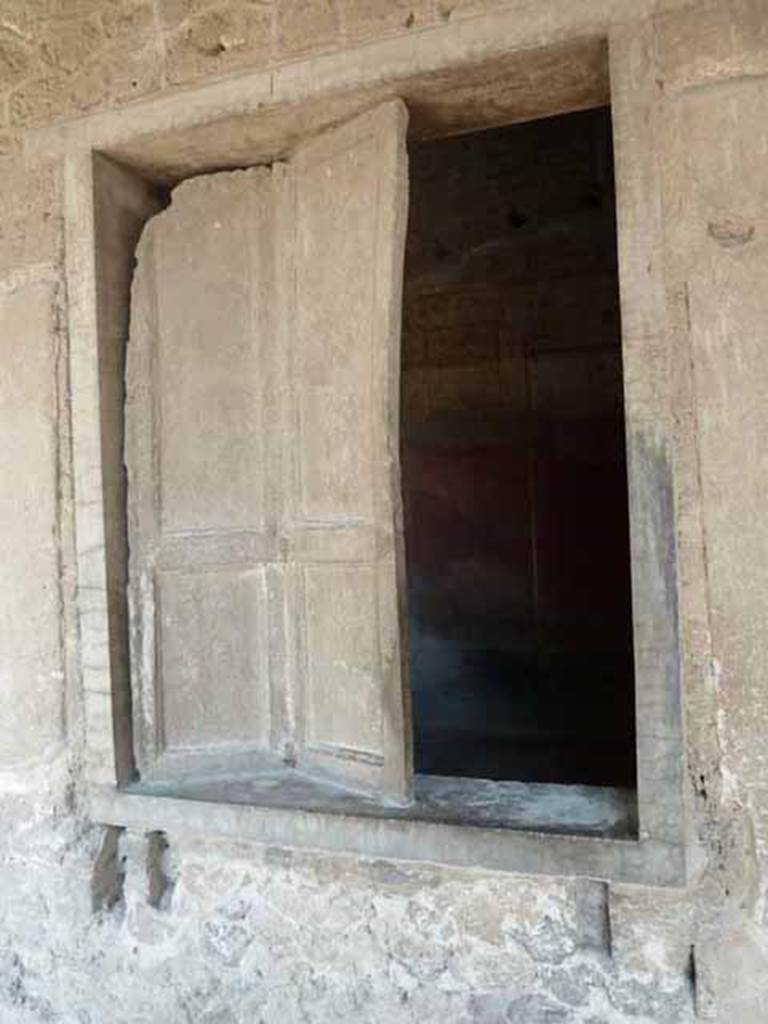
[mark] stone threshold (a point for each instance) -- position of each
(527, 828)
(482, 803)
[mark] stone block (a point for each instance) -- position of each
(22, 16)
(650, 931)
(370, 19)
(72, 8)
(37, 100)
(537, 1009)
(16, 58)
(54, 95)
(129, 21)
(215, 41)
(172, 13)
(68, 44)
(116, 77)
(304, 25)
(707, 43)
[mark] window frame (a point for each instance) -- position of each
(113, 165)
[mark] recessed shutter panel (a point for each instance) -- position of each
(345, 211)
(197, 415)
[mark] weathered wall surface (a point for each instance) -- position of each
(214, 933)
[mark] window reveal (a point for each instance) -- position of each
(513, 456)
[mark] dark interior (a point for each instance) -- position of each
(513, 458)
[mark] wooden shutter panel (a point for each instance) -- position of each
(347, 213)
(197, 430)
(263, 470)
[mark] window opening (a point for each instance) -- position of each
(513, 458)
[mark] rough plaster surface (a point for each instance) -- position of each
(31, 670)
(217, 933)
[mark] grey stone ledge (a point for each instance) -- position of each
(518, 827)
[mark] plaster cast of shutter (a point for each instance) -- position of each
(263, 471)
(346, 214)
(202, 529)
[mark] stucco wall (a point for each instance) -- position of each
(253, 934)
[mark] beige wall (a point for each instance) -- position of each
(252, 934)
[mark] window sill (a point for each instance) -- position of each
(503, 826)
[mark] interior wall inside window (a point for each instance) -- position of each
(513, 458)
